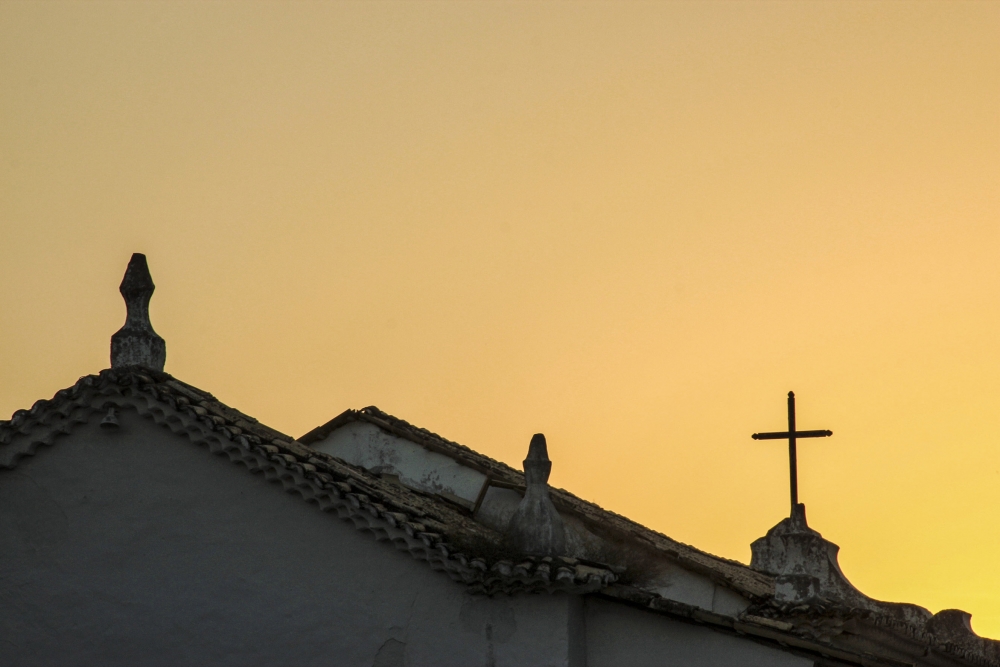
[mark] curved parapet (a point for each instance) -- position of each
(805, 568)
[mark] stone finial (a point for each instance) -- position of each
(136, 344)
(110, 420)
(536, 527)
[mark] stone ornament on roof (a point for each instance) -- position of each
(536, 527)
(804, 563)
(813, 597)
(136, 344)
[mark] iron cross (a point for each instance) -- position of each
(792, 435)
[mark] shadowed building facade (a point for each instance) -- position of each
(145, 522)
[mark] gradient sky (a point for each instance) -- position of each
(633, 227)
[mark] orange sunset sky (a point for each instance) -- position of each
(631, 226)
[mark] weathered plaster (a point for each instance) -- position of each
(498, 507)
(370, 447)
(618, 635)
(806, 568)
(536, 527)
(728, 602)
(675, 583)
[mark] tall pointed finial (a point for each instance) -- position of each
(536, 527)
(136, 344)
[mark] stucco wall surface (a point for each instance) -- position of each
(136, 547)
(370, 447)
(619, 635)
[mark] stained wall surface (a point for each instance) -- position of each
(375, 450)
(619, 635)
(137, 547)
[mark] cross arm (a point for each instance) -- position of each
(784, 435)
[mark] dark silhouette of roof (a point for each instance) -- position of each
(436, 531)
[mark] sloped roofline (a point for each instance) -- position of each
(946, 635)
(731, 574)
(426, 527)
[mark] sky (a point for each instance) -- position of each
(633, 227)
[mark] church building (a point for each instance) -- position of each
(143, 522)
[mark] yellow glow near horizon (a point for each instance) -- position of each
(633, 227)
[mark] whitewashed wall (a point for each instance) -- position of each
(137, 547)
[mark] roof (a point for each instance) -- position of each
(865, 636)
(730, 573)
(441, 534)
(426, 526)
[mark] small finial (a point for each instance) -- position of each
(791, 394)
(110, 420)
(136, 344)
(536, 527)
(537, 466)
(537, 449)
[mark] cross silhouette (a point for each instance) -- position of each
(792, 435)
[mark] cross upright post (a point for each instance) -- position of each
(792, 435)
